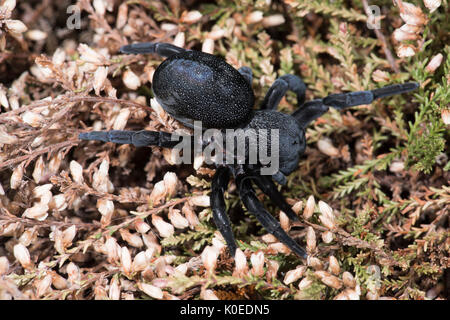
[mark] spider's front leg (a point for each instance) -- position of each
(313, 109)
(142, 138)
(280, 87)
(162, 49)
(254, 206)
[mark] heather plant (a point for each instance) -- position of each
(85, 220)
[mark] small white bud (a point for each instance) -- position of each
(151, 290)
(36, 35)
(309, 208)
(23, 256)
(165, 229)
(76, 171)
(191, 17)
(16, 26)
(273, 21)
(326, 146)
(294, 275)
(434, 63)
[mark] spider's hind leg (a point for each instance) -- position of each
(162, 49)
(280, 87)
(270, 189)
(255, 207)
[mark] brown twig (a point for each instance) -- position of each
(383, 41)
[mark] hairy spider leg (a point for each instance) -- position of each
(255, 207)
(162, 49)
(247, 73)
(280, 87)
(140, 138)
(270, 189)
(313, 109)
(218, 186)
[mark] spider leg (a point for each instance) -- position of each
(138, 138)
(313, 109)
(279, 89)
(247, 73)
(218, 186)
(162, 49)
(270, 189)
(254, 206)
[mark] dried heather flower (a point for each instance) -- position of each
(6, 138)
(333, 266)
(208, 46)
(43, 285)
(4, 265)
(269, 238)
(121, 120)
(114, 289)
(190, 215)
(76, 170)
(36, 35)
(315, 263)
(38, 169)
(201, 201)
(16, 27)
(208, 294)
(329, 279)
(170, 182)
(293, 275)
(16, 177)
(112, 249)
(432, 5)
(165, 229)
(254, 17)
(327, 217)
(209, 258)
(37, 212)
(131, 80)
(133, 239)
(141, 226)
(125, 260)
(348, 279)
(100, 76)
(406, 50)
(2, 191)
(140, 262)
(304, 283)
(445, 115)
(68, 235)
(273, 21)
(327, 236)
(297, 207)
(3, 98)
(191, 17)
(326, 146)
(284, 221)
(380, 76)
(89, 55)
(158, 193)
(100, 180)
(257, 260)
(309, 208)
(32, 118)
(310, 240)
(400, 35)
(100, 9)
(412, 14)
(180, 40)
(240, 261)
(150, 290)
(177, 220)
(23, 256)
(434, 63)
(8, 6)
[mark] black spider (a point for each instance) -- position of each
(195, 86)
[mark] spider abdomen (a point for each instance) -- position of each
(196, 86)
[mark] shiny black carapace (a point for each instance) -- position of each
(196, 86)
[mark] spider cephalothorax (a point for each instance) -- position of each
(195, 86)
